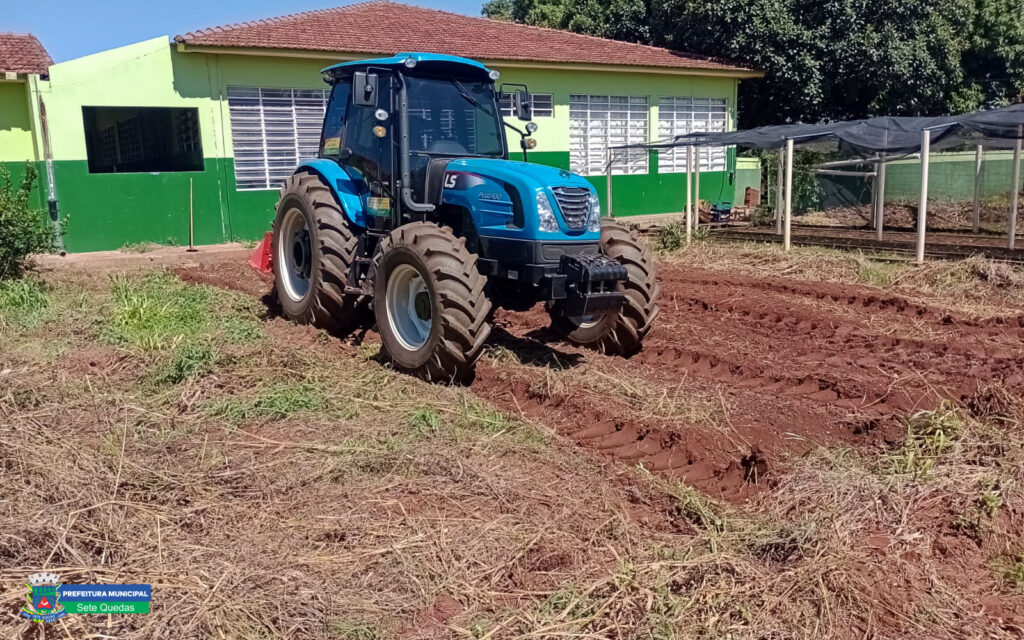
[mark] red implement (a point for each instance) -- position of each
(260, 258)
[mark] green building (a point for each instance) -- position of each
(212, 123)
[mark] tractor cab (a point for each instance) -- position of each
(414, 109)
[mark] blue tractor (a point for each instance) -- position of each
(414, 206)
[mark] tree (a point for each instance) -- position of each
(823, 59)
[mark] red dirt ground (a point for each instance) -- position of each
(796, 363)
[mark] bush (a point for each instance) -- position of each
(23, 230)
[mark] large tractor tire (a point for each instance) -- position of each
(429, 302)
(312, 249)
(622, 333)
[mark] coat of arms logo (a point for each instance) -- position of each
(42, 600)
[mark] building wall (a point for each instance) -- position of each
(17, 135)
(106, 211)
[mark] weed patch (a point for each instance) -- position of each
(23, 303)
(157, 312)
(279, 400)
(188, 360)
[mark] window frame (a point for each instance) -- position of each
(588, 158)
(545, 112)
(701, 112)
(256, 111)
(142, 139)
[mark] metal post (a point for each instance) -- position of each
(979, 154)
(689, 194)
(191, 220)
(922, 205)
(787, 227)
(781, 192)
(880, 180)
(696, 189)
(608, 169)
(1015, 193)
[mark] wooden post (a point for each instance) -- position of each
(1015, 192)
(787, 227)
(781, 192)
(608, 171)
(922, 205)
(979, 155)
(880, 180)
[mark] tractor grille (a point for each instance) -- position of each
(574, 203)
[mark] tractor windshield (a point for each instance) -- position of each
(453, 118)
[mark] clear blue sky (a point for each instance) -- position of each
(73, 28)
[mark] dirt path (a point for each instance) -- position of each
(794, 363)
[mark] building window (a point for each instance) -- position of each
(599, 122)
(543, 105)
(678, 116)
(142, 139)
(272, 130)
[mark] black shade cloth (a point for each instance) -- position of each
(997, 123)
(890, 135)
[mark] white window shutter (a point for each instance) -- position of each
(272, 130)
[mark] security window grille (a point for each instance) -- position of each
(142, 139)
(272, 130)
(543, 105)
(600, 122)
(597, 123)
(678, 116)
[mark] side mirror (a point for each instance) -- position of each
(364, 89)
(522, 106)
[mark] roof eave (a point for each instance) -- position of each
(741, 74)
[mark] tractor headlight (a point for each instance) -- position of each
(594, 220)
(548, 221)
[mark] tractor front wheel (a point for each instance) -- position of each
(621, 333)
(429, 302)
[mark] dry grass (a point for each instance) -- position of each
(976, 286)
(290, 486)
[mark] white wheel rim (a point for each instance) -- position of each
(295, 255)
(409, 307)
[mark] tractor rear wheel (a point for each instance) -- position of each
(313, 247)
(620, 333)
(429, 302)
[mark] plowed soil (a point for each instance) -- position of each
(796, 364)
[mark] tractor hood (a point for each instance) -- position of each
(521, 174)
(504, 197)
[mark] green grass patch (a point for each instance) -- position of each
(23, 303)
(189, 359)
(279, 400)
(157, 312)
(424, 422)
(930, 436)
(879, 274)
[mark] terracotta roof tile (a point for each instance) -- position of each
(383, 27)
(22, 53)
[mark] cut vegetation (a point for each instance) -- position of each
(795, 454)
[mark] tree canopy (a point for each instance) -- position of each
(822, 59)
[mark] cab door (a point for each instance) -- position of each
(363, 142)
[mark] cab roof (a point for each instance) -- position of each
(431, 62)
